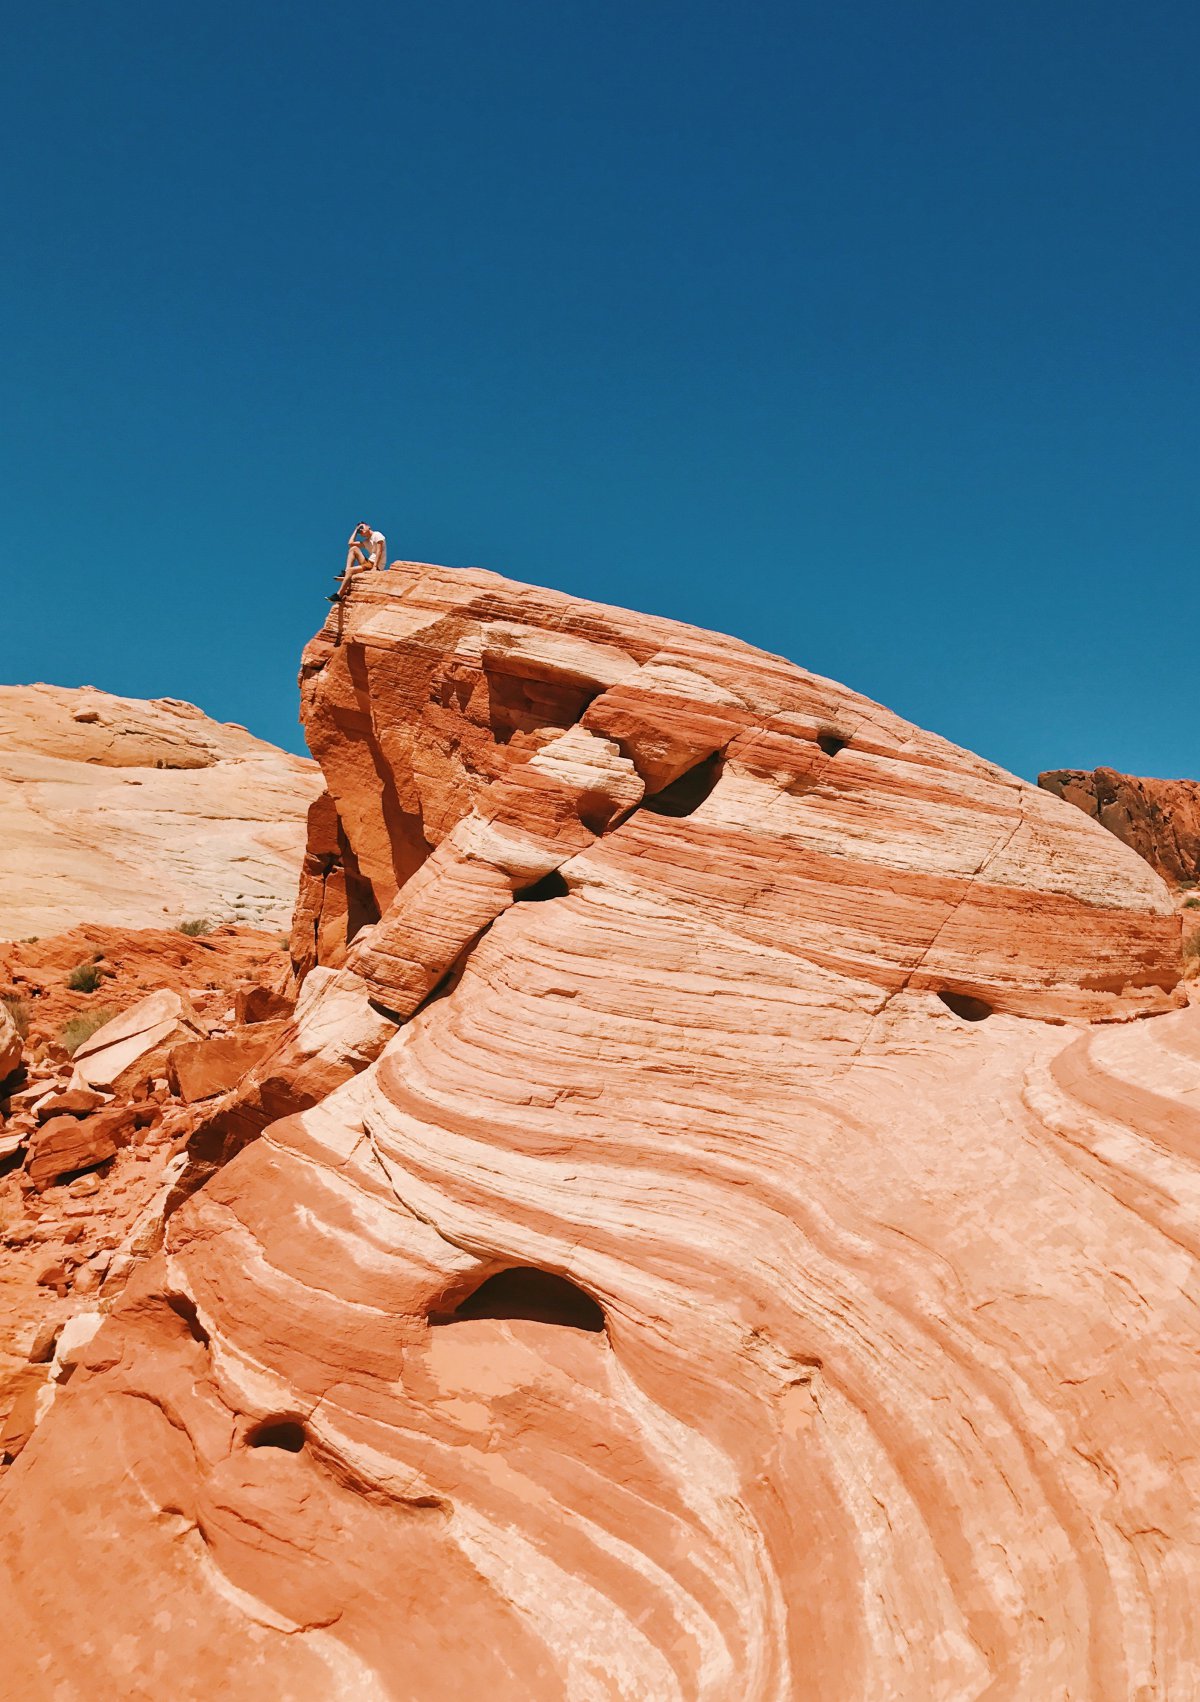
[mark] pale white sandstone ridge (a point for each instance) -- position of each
(134, 814)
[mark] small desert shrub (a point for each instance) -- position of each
(81, 1028)
(1191, 948)
(201, 925)
(1191, 904)
(18, 1010)
(85, 978)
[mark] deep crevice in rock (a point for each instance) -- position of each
(517, 704)
(685, 795)
(831, 743)
(184, 1307)
(523, 1292)
(405, 828)
(550, 886)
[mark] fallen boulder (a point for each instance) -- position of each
(200, 1069)
(74, 1102)
(66, 1145)
(261, 1004)
(129, 1048)
(11, 1141)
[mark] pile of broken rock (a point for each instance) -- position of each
(89, 1149)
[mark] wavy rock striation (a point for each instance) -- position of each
(741, 1246)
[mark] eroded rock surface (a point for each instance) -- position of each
(126, 813)
(1159, 819)
(743, 1248)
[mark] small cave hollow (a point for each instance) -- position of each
(520, 705)
(538, 1297)
(965, 1006)
(550, 886)
(286, 1434)
(831, 743)
(595, 810)
(683, 797)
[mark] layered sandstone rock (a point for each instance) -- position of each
(745, 1249)
(121, 812)
(1159, 819)
(11, 1047)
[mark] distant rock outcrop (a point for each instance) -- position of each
(128, 813)
(1159, 819)
(741, 1243)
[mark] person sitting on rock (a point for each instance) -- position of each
(366, 549)
(378, 546)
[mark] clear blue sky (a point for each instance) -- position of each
(866, 331)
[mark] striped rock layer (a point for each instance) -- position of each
(745, 1247)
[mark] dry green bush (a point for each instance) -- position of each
(80, 1028)
(85, 978)
(18, 1010)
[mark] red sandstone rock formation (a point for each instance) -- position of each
(1160, 819)
(200, 819)
(11, 1047)
(758, 1263)
(201, 1069)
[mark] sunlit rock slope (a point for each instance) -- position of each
(741, 1244)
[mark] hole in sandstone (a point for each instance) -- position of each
(685, 795)
(963, 1005)
(185, 1308)
(537, 1296)
(517, 705)
(832, 743)
(285, 1433)
(596, 810)
(550, 886)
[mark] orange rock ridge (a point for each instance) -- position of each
(1159, 819)
(740, 1244)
